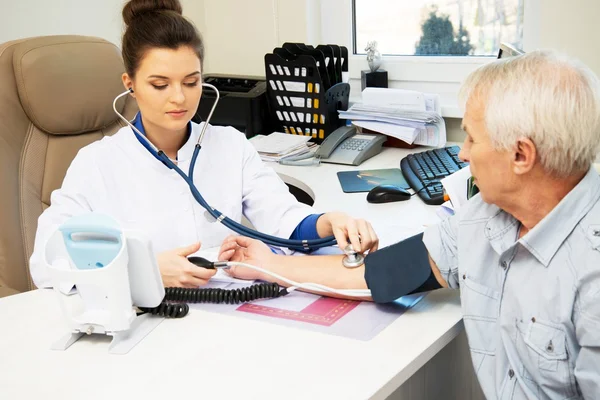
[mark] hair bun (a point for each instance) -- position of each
(136, 8)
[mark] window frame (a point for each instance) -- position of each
(433, 74)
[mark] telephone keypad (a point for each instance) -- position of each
(355, 144)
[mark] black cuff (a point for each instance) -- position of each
(400, 269)
(430, 284)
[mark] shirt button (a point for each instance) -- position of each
(511, 373)
(504, 265)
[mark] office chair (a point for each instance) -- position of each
(56, 95)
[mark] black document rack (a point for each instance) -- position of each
(304, 90)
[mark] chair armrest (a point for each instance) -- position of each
(6, 291)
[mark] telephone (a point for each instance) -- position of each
(345, 146)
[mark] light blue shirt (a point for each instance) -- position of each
(531, 306)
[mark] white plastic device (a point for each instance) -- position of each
(112, 270)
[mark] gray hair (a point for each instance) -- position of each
(546, 97)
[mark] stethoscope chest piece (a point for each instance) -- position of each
(352, 259)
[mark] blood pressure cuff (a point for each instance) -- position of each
(399, 270)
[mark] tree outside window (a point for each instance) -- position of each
(440, 38)
(438, 27)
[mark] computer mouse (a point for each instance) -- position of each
(387, 193)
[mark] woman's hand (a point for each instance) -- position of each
(346, 229)
(249, 251)
(177, 271)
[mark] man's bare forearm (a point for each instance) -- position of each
(325, 270)
(328, 271)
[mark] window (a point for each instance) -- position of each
(397, 27)
(438, 27)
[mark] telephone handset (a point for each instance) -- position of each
(345, 146)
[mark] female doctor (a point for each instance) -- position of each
(163, 55)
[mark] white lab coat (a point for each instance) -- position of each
(119, 177)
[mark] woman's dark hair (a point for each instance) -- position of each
(156, 24)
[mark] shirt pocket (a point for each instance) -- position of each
(547, 344)
(480, 316)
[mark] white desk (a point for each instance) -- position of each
(322, 184)
(213, 356)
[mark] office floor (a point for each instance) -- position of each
(453, 364)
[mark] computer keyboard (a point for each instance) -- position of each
(423, 171)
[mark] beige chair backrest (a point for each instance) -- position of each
(56, 95)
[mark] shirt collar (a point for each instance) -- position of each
(548, 235)
(501, 230)
(183, 154)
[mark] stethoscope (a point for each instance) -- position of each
(352, 258)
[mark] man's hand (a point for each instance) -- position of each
(177, 271)
(347, 229)
(249, 251)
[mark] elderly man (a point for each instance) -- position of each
(525, 252)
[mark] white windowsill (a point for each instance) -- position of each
(438, 75)
(451, 111)
(420, 68)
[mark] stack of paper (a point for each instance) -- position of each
(392, 115)
(411, 116)
(277, 145)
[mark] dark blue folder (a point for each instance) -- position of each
(365, 180)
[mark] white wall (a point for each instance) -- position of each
(26, 18)
(239, 33)
(572, 27)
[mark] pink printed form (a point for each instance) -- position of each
(324, 311)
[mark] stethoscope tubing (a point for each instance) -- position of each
(301, 245)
